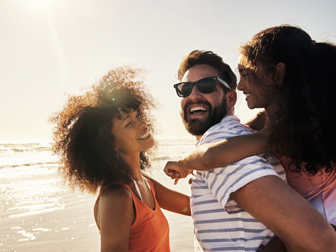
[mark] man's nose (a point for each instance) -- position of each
(195, 93)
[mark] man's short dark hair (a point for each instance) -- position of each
(198, 57)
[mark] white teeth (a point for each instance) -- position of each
(144, 135)
(197, 109)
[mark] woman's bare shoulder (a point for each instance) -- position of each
(116, 193)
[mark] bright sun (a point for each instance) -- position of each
(39, 5)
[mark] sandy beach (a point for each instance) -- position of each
(39, 212)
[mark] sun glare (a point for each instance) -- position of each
(39, 5)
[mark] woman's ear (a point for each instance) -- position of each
(280, 73)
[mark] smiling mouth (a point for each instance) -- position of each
(145, 136)
(198, 109)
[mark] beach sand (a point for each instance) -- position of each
(40, 213)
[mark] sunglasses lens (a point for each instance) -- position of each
(185, 89)
(207, 85)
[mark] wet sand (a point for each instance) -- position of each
(40, 213)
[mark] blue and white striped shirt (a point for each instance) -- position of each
(220, 223)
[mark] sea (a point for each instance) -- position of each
(40, 212)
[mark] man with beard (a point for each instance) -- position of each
(232, 205)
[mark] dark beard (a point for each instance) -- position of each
(197, 127)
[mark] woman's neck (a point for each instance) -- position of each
(271, 111)
(271, 118)
(133, 162)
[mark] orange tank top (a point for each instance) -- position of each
(150, 230)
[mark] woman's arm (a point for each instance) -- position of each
(114, 217)
(213, 155)
(169, 199)
(279, 207)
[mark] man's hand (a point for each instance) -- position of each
(176, 170)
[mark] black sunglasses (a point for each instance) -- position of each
(206, 86)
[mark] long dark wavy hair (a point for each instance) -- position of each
(307, 107)
(83, 130)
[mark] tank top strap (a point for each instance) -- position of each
(137, 187)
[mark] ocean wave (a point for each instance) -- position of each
(167, 157)
(15, 155)
(172, 142)
(24, 147)
(38, 210)
(48, 163)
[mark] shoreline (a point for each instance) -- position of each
(41, 213)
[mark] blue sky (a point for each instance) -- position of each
(52, 47)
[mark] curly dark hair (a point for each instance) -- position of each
(198, 57)
(82, 135)
(307, 105)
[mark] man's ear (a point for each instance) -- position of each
(231, 99)
(280, 73)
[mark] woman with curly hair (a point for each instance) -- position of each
(103, 138)
(293, 78)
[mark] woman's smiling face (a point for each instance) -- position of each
(260, 92)
(131, 133)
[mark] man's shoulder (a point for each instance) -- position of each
(229, 126)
